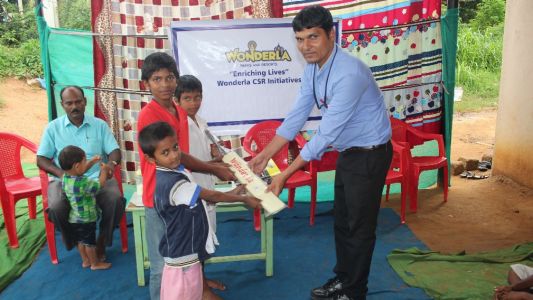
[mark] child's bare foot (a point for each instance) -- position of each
(85, 264)
(215, 284)
(100, 266)
(100, 254)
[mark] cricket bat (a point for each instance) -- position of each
(254, 184)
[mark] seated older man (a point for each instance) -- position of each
(95, 138)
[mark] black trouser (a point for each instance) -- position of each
(359, 180)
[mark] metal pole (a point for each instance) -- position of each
(452, 3)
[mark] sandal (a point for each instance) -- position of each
(472, 175)
(484, 165)
(477, 176)
(466, 174)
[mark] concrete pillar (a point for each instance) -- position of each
(513, 151)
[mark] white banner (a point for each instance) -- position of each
(250, 70)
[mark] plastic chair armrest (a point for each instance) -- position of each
(28, 144)
(426, 136)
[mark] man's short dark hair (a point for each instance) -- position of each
(152, 134)
(313, 16)
(68, 87)
(69, 156)
(187, 84)
(157, 61)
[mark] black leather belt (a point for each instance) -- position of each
(365, 148)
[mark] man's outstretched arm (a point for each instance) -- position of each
(258, 163)
(49, 166)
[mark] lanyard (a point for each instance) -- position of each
(324, 103)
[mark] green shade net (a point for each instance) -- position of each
(71, 61)
(44, 33)
(30, 234)
(449, 50)
(458, 276)
(67, 58)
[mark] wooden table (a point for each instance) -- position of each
(141, 247)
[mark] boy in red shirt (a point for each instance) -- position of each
(160, 76)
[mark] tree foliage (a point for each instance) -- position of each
(19, 44)
(16, 28)
(489, 13)
(467, 10)
(75, 14)
(479, 54)
(482, 13)
(21, 62)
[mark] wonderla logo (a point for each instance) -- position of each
(252, 55)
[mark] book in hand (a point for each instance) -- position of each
(270, 171)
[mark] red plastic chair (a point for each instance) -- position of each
(256, 139)
(50, 228)
(402, 132)
(328, 162)
(398, 173)
(14, 186)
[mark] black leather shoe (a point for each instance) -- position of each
(328, 290)
(342, 296)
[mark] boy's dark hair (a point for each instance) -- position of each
(188, 83)
(68, 87)
(152, 134)
(157, 61)
(313, 16)
(69, 156)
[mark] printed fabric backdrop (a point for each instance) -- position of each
(399, 39)
(401, 42)
(129, 31)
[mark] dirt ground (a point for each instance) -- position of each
(480, 215)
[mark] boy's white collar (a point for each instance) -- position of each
(180, 169)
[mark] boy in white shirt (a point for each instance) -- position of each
(189, 96)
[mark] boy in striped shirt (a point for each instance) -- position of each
(178, 203)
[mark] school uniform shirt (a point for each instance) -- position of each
(177, 203)
(200, 147)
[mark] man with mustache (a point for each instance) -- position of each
(96, 139)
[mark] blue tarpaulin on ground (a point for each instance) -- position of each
(303, 258)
